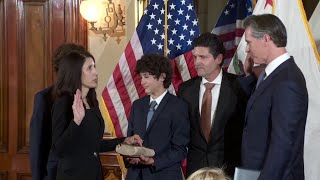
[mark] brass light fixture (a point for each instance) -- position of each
(113, 24)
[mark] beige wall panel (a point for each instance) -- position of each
(107, 53)
(215, 8)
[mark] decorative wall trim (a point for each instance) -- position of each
(76, 30)
(3, 175)
(3, 84)
(110, 166)
(24, 176)
(34, 64)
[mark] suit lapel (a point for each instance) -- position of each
(222, 105)
(264, 84)
(194, 96)
(145, 110)
(157, 112)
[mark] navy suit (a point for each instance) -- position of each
(40, 137)
(273, 136)
(167, 134)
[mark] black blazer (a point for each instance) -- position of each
(273, 137)
(40, 135)
(167, 134)
(78, 147)
(224, 148)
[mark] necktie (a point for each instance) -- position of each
(205, 119)
(261, 78)
(151, 111)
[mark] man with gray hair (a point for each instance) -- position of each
(276, 113)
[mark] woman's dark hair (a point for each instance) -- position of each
(69, 77)
(64, 50)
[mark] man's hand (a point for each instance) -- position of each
(132, 160)
(248, 65)
(134, 140)
(146, 160)
(140, 160)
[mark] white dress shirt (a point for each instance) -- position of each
(158, 99)
(215, 93)
(275, 63)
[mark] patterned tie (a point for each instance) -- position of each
(205, 119)
(261, 78)
(151, 111)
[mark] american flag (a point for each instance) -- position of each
(229, 27)
(124, 85)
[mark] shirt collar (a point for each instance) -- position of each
(275, 63)
(158, 99)
(216, 81)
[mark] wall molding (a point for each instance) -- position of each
(3, 175)
(3, 83)
(32, 56)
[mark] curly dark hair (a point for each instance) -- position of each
(155, 65)
(64, 50)
(211, 41)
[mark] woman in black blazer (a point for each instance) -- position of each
(77, 124)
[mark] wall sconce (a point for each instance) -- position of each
(114, 20)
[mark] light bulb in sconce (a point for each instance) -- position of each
(91, 11)
(113, 23)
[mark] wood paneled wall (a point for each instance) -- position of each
(35, 66)
(30, 30)
(3, 86)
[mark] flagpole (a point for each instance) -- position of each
(254, 2)
(273, 6)
(166, 28)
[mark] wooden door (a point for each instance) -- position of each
(30, 30)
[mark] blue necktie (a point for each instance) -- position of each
(151, 111)
(261, 78)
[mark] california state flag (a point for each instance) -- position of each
(314, 23)
(262, 7)
(302, 47)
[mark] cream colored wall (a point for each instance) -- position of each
(215, 8)
(107, 53)
(209, 12)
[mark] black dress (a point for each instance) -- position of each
(78, 147)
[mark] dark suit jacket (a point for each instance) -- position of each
(167, 134)
(273, 136)
(224, 147)
(78, 147)
(40, 135)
